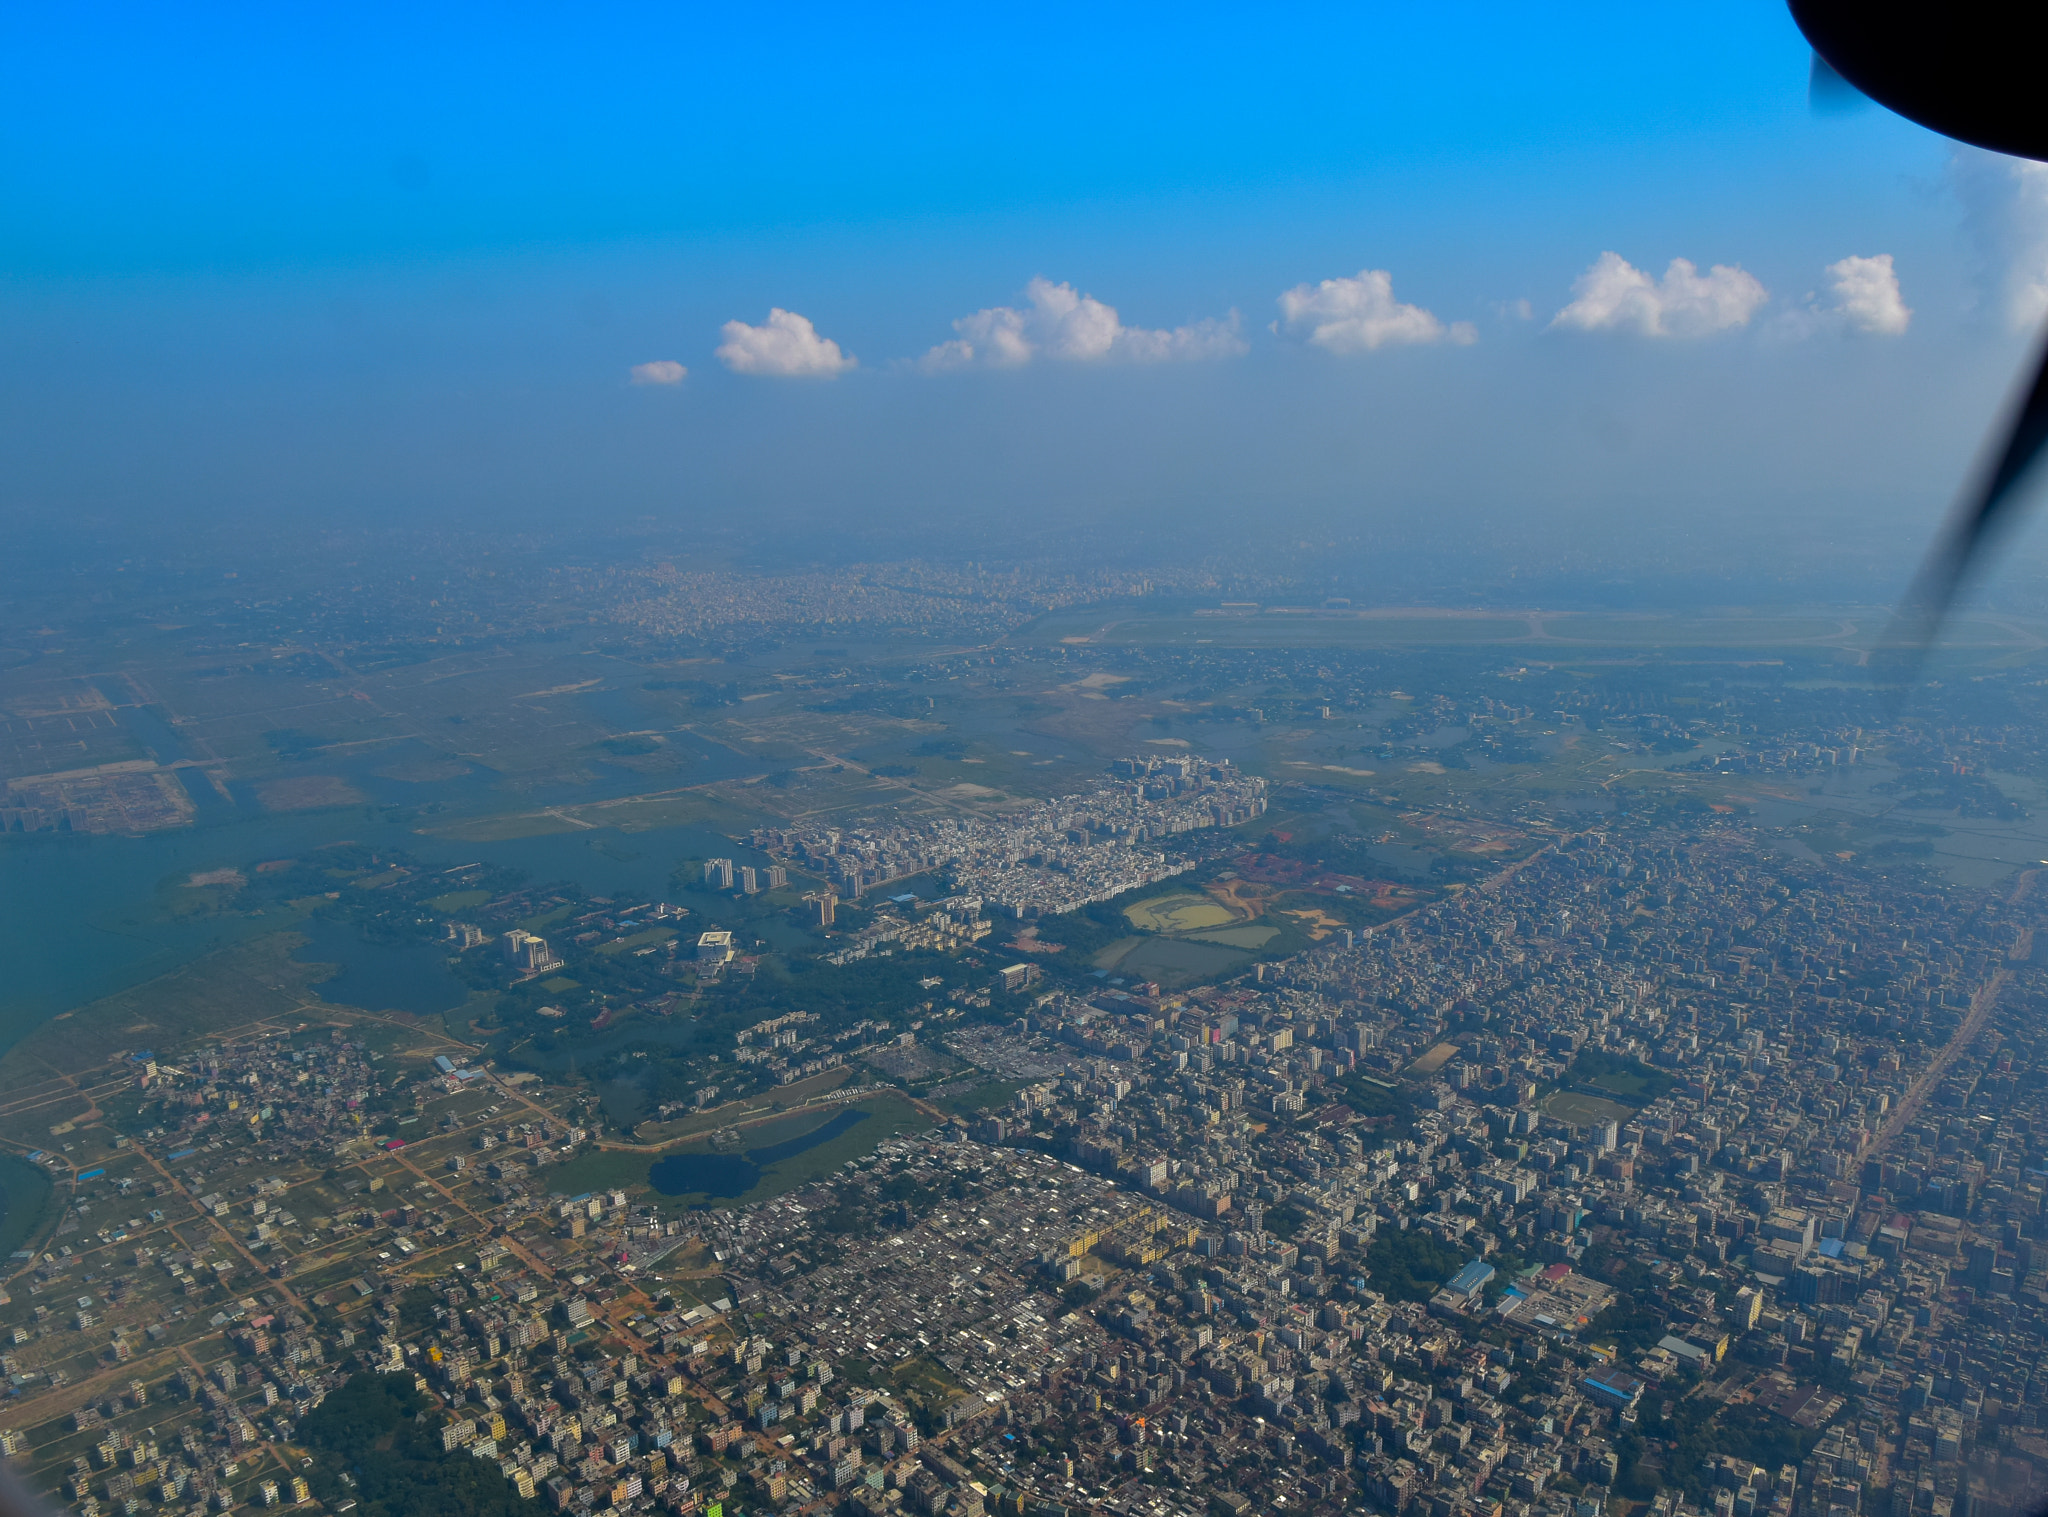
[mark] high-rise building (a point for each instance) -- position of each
(750, 882)
(528, 952)
(718, 873)
(777, 877)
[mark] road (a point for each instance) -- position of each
(174, 1187)
(1965, 1035)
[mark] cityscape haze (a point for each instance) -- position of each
(1059, 763)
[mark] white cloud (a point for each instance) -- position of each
(1863, 295)
(663, 371)
(2005, 210)
(1867, 295)
(786, 346)
(1614, 295)
(1060, 322)
(1359, 315)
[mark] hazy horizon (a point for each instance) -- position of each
(1145, 286)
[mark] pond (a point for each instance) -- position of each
(722, 1176)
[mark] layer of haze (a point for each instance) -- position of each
(481, 265)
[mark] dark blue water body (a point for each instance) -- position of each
(719, 1175)
(725, 1175)
(410, 976)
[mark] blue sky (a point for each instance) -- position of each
(382, 258)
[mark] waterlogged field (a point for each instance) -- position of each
(1178, 913)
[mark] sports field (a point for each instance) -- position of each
(1177, 913)
(1580, 1110)
(1433, 1060)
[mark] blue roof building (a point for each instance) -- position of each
(1614, 1387)
(1470, 1280)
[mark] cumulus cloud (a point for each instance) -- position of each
(1867, 295)
(1060, 322)
(2005, 210)
(785, 346)
(663, 371)
(1615, 296)
(1361, 314)
(1862, 296)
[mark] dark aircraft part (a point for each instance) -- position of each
(1955, 68)
(1986, 507)
(1958, 68)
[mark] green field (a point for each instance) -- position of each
(1581, 1110)
(668, 1135)
(1250, 936)
(639, 940)
(1175, 962)
(459, 900)
(889, 1116)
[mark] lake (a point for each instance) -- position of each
(723, 1176)
(409, 976)
(89, 916)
